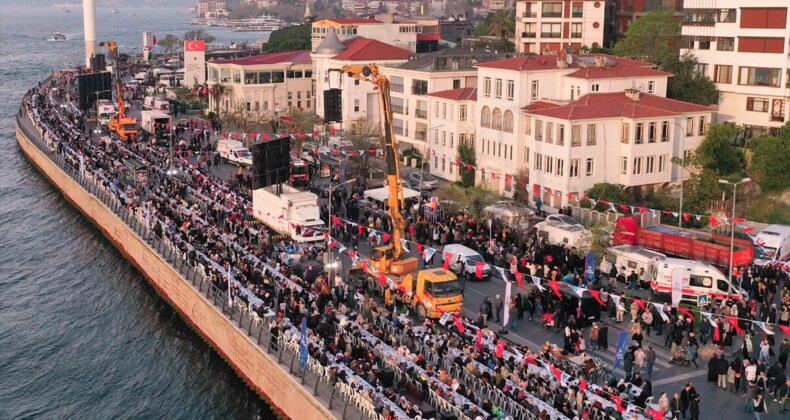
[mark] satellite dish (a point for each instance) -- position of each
(569, 59)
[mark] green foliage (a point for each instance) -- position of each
(290, 38)
(169, 44)
(769, 161)
(652, 37)
(501, 23)
(481, 29)
(687, 84)
(466, 154)
(453, 197)
(479, 198)
(768, 209)
(199, 35)
(609, 192)
(716, 153)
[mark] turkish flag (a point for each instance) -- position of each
(500, 348)
(479, 341)
(685, 311)
(479, 269)
(582, 384)
(655, 414)
(519, 279)
(597, 295)
(784, 328)
(153, 39)
(734, 322)
(713, 222)
(382, 279)
(446, 265)
(360, 229)
(386, 237)
(619, 402)
(192, 45)
(459, 324)
(336, 220)
(641, 303)
(557, 373)
(555, 286)
(364, 266)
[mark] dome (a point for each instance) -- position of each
(331, 44)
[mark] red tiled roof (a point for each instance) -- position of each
(350, 21)
(460, 94)
(364, 49)
(616, 72)
(615, 104)
(299, 56)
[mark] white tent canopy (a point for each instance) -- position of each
(382, 194)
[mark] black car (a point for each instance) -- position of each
(591, 309)
(320, 187)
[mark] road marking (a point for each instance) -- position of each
(678, 378)
(473, 290)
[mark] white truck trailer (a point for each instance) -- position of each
(292, 212)
(151, 121)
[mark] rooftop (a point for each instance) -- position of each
(461, 94)
(353, 21)
(299, 56)
(614, 104)
(452, 59)
(598, 65)
(365, 49)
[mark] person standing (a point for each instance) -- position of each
(694, 408)
(513, 312)
(760, 408)
(594, 336)
(722, 367)
(498, 306)
(783, 395)
(750, 395)
(691, 350)
(650, 359)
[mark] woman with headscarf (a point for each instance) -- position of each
(713, 373)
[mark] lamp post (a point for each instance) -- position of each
(732, 223)
(328, 262)
(682, 162)
(427, 154)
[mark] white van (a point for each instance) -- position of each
(772, 244)
(559, 229)
(234, 151)
(699, 278)
(509, 213)
(463, 261)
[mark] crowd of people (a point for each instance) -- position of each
(401, 368)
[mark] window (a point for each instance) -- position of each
(538, 130)
(419, 87)
(485, 117)
(396, 84)
(640, 133)
(248, 106)
(487, 86)
(651, 87)
(443, 164)
(549, 132)
(625, 133)
(577, 10)
(535, 94)
(444, 138)
(662, 163)
(722, 74)
(576, 30)
(591, 136)
(665, 131)
(589, 168)
(726, 16)
(651, 132)
(421, 111)
(576, 135)
(538, 162)
(456, 83)
(689, 126)
(549, 164)
(560, 167)
(436, 109)
(595, 87)
(507, 124)
(574, 168)
(759, 76)
(725, 44)
(498, 88)
(650, 163)
(436, 136)
(236, 76)
(624, 165)
(527, 125)
(551, 30)
(452, 140)
(702, 69)
(462, 112)
(496, 119)
(550, 10)
(757, 104)
(704, 44)
(560, 134)
(435, 162)
(510, 90)
(356, 105)
(638, 165)
(499, 148)
(703, 127)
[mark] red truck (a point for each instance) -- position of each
(300, 174)
(686, 243)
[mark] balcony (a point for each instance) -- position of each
(550, 35)
(552, 14)
(419, 90)
(420, 135)
(396, 88)
(421, 114)
(529, 14)
(528, 34)
(397, 109)
(576, 34)
(577, 14)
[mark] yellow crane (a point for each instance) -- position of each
(125, 127)
(430, 292)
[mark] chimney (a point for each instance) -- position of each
(561, 63)
(599, 61)
(89, 28)
(632, 94)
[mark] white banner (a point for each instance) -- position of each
(506, 315)
(677, 286)
(428, 253)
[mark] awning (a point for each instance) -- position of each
(382, 194)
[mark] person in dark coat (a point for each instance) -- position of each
(713, 368)
(603, 337)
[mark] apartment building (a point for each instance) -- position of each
(743, 47)
(418, 34)
(453, 124)
(627, 138)
(359, 100)
(505, 87)
(412, 81)
(554, 25)
(265, 85)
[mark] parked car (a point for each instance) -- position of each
(320, 187)
(420, 181)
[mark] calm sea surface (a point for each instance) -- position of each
(82, 335)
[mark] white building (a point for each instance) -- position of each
(554, 25)
(418, 34)
(505, 87)
(623, 138)
(455, 124)
(265, 85)
(359, 100)
(743, 47)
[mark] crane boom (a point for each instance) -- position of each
(395, 200)
(112, 48)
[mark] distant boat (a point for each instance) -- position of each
(114, 11)
(57, 36)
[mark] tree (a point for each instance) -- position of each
(290, 38)
(609, 192)
(716, 152)
(767, 166)
(502, 24)
(688, 84)
(481, 29)
(652, 37)
(453, 198)
(170, 44)
(479, 198)
(199, 35)
(466, 154)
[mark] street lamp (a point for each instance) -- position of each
(732, 223)
(682, 162)
(328, 262)
(97, 93)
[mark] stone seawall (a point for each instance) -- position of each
(267, 373)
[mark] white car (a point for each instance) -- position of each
(420, 181)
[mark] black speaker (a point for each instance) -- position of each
(271, 162)
(91, 83)
(333, 105)
(98, 63)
